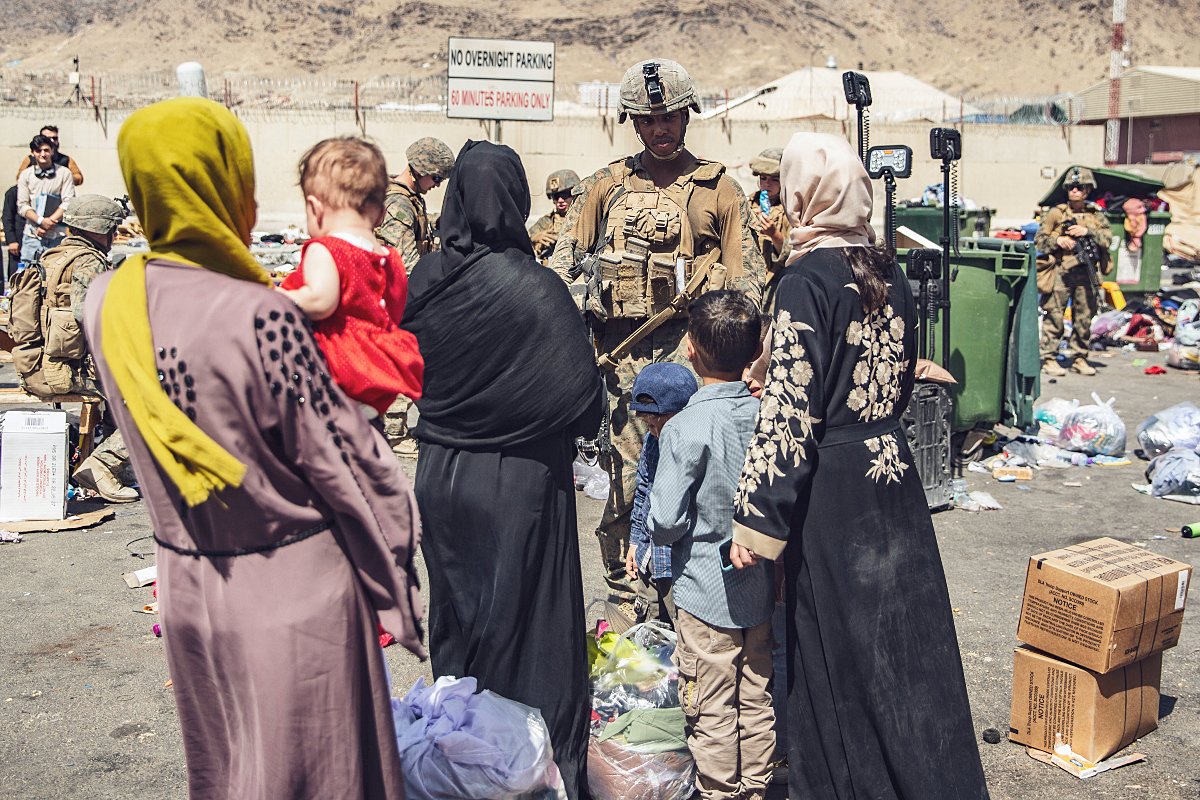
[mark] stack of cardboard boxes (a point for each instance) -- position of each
(1095, 619)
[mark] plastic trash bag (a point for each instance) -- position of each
(1051, 413)
(456, 744)
(637, 672)
(1109, 323)
(591, 479)
(1175, 474)
(1095, 429)
(1177, 426)
(618, 772)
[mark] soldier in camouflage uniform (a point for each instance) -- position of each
(53, 356)
(1061, 227)
(771, 227)
(545, 232)
(406, 227)
(652, 213)
(405, 223)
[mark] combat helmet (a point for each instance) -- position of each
(564, 180)
(656, 86)
(767, 162)
(94, 214)
(1081, 175)
(430, 156)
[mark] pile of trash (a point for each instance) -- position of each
(1169, 320)
(1094, 430)
(590, 478)
(1170, 439)
(457, 743)
(638, 745)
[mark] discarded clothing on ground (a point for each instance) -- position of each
(1177, 426)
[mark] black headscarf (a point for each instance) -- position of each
(507, 358)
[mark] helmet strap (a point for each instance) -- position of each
(682, 140)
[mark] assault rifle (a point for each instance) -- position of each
(1089, 253)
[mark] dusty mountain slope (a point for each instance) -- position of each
(1011, 47)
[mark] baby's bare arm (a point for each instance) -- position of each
(318, 297)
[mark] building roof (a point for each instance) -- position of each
(817, 92)
(1145, 92)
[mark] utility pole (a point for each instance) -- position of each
(1112, 129)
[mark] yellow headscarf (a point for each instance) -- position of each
(190, 174)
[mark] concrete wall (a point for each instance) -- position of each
(1003, 164)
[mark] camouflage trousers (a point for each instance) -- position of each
(1069, 285)
(112, 453)
(395, 421)
(626, 432)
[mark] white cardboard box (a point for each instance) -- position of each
(34, 457)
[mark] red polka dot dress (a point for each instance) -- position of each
(369, 356)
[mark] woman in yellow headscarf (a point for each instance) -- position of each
(285, 530)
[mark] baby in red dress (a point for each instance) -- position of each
(353, 288)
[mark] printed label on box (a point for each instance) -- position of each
(1181, 589)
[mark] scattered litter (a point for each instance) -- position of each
(992, 736)
(1175, 475)
(977, 501)
(1110, 461)
(1042, 454)
(157, 630)
(1074, 765)
(591, 479)
(10, 537)
(1010, 474)
(1072, 484)
(149, 608)
(1191, 531)
(1154, 370)
(168, 683)
(141, 577)
(73, 522)
(1139, 362)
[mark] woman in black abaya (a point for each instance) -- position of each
(510, 381)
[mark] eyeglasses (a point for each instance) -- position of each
(52, 138)
(560, 196)
(1078, 186)
(437, 180)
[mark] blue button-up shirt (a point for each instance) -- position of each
(701, 453)
(653, 560)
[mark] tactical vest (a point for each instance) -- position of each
(649, 253)
(50, 353)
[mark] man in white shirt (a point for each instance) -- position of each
(44, 191)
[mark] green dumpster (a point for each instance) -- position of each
(993, 333)
(927, 221)
(1140, 272)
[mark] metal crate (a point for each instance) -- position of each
(926, 424)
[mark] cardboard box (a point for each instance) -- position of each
(1103, 604)
(34, 456)
(1096, 714)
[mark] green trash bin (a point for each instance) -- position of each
(1141, 272)
(993, 333)
(927, 221)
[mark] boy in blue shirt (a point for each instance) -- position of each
(723, 615)
(660, 391)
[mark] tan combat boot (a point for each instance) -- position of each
(93, 474)
(1081, 366)
(1051, 367)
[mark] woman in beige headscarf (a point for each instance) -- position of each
(285, 529)
(877, 703)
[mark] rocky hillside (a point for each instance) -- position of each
(975, 47)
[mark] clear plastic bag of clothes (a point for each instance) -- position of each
(619, 772)
(1176, 474)
(1050, 414)
(1095, 429)
(459, 744)
(637, 672)
(1177, 426)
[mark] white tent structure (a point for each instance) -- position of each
(817, 92)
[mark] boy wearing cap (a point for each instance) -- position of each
(723, 615)
(660, 391)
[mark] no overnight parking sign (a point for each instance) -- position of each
(500, 79)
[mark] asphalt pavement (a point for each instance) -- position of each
(86, 709)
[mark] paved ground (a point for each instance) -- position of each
(84, 711)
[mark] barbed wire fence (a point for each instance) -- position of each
(127, 91)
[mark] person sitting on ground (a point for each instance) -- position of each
(51, 355)
(44, 191)
(60, 158)
(660, 391)
(352, 287)
(723, 616)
